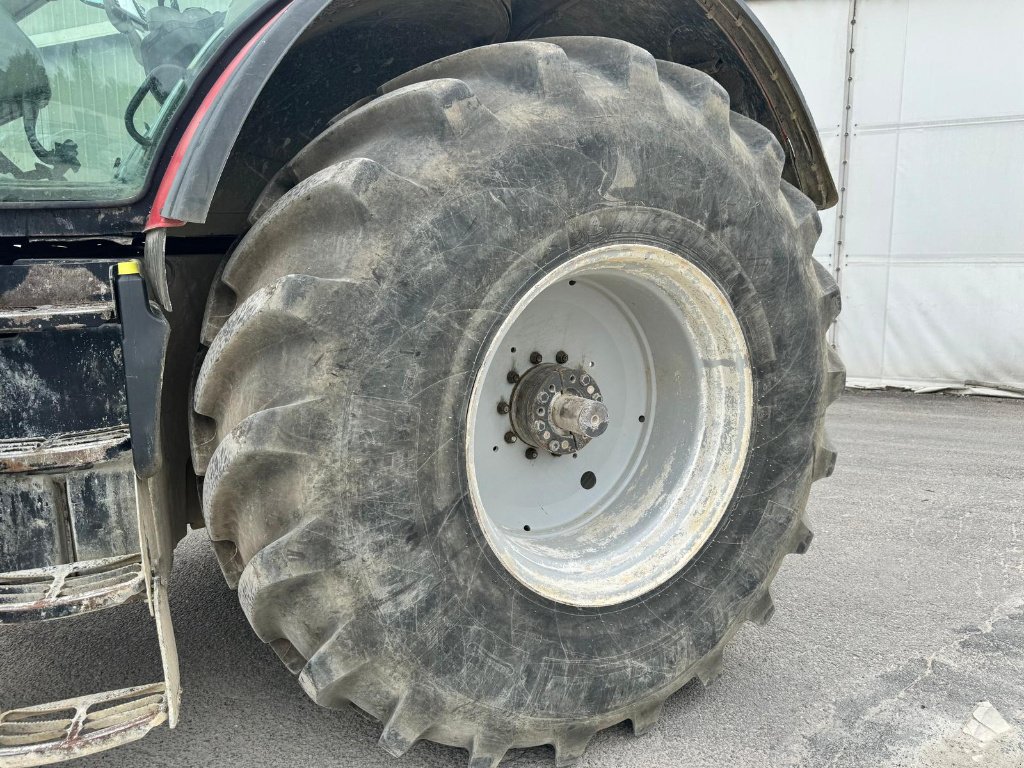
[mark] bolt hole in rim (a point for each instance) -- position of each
(671, 349)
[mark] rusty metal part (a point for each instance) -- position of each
(55, 295)
(62, 730)
(64, 451)
(56, 318)
(56, 516)
(33, 283)
(67, 590)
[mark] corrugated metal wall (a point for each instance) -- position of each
(930, 250)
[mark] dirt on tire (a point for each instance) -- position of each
(343, 337)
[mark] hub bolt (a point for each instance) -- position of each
(504, 408)
(510, 437)
(512, 377)
(536, 358)
(561, 358)
(531, 453)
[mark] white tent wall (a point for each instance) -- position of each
(930, 254)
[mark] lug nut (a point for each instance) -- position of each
(561, 358)
(512, 377)
(536, 358)
(531, 453)
(504, 408)
(510, 437)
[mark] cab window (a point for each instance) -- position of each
(88, 86)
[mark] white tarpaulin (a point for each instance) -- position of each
(930, 256)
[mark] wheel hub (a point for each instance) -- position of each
(557, 409)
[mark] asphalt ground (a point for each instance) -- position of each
(906, 614)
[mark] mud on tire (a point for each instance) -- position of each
(344, 335)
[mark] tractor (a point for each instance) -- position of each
(483, 338)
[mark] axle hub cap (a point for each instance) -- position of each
(558, 409)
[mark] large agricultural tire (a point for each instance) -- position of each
(370, 310)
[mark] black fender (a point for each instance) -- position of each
(321, 56)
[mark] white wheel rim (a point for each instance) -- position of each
(661, 340)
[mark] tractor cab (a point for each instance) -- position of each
(87, 90)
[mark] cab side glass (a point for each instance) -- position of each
(87, 87)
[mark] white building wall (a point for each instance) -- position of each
(932, 259)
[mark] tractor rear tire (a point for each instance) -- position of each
(349, 336)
